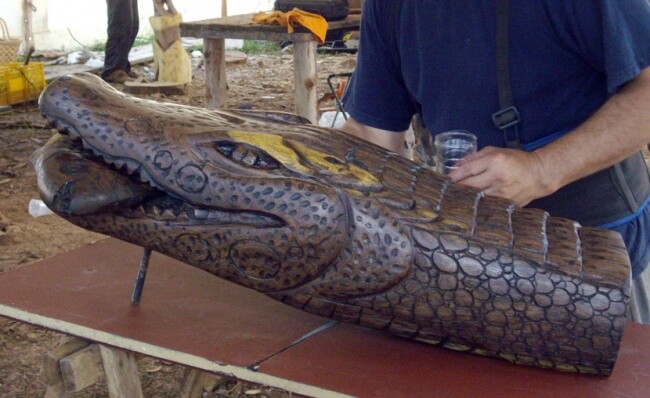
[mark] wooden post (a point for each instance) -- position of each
(304, 60)
(28, 35)
(214, 53)
(224, 8)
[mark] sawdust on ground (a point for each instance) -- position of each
(261, 82)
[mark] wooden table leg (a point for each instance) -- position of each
(196, 381)
(304, 60)
(121, 373)
(214, 53)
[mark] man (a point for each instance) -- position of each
(123, 25)
(580, 78)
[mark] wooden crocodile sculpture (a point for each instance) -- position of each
(335, 226)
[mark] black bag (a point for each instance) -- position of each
(331, 10)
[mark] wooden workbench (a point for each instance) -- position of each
(198, 320)
(215, 31)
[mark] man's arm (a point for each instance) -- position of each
(391, 140)
(616, 131)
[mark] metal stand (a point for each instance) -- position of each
(142, 274)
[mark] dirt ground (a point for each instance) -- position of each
(262, 82)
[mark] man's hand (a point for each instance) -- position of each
(507, 173)
(164, 7)
(618, 129)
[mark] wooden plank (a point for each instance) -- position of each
(121, 372)
(240, 27)
(82, 368)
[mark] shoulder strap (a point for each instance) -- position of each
(508, 118)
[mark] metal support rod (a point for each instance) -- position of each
(142, 274)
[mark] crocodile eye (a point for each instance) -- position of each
(246, 155)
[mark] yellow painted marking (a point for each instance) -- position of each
(340, 168)
(274, 146)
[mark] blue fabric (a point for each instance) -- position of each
(531, 146)
(566, 59)
(636, 235)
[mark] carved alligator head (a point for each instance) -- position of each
(336, 226)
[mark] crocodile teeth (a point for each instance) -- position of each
(200, 214)
(168, 213)
(119, 164)
(144, 177)
(131, 167)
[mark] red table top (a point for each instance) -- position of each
(197, 315)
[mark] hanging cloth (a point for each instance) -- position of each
(315, 23)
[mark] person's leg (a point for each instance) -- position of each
(135, 27)
(119, 42)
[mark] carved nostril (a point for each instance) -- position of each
(138, 127)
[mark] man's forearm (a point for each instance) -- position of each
(391, 140)
(617, 130)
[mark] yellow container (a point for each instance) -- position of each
(21, 83)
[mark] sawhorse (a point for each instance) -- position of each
(75, 364)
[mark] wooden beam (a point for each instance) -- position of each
(50, 370)
(82, 368)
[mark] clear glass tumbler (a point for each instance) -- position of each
(452, 146)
